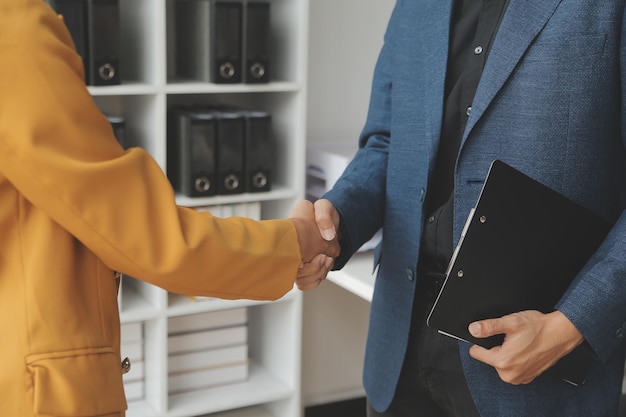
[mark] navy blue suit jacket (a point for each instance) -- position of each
(551, 103)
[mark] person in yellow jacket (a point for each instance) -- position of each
(75, 207)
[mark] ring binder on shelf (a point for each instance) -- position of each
(209, 40)
(230, 148)
(256, 35)
(192, 153)
(94, 27)
(258, 151)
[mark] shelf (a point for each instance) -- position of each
(191, 87)
(124, 89)
(261, 387)
(357, 276)
(179, 305)
(141, 409)
(136, 306)
(279, 192)
(244, 412)
(147, 91)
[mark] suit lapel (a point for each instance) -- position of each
(521, 23)
(436, 34)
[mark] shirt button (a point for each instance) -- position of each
(478, 50)
(468, 110)
(431, 219)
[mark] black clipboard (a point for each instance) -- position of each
(521, 247)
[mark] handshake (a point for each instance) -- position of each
(316, 225)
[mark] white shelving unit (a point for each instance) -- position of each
(142, 99)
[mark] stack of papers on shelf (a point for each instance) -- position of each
(207, 350)
(251, 210)
(132, 341)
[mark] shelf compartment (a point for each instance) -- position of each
(261, 387)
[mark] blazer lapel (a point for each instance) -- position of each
(434, 51)
(521, 23)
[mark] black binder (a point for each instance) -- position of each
(256, 35)
(192, 39)
(95, 29)
(258, 151)
(227, 43)
(230, 139)
(521, 247)
(191, 152)
(208, 40)
(119, 129)
(103, 64)
(74, 14)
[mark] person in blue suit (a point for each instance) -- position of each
(539, 84)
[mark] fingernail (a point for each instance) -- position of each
(474, 329)
(328, 234)
(329, 263)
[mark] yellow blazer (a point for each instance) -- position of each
(74, 208)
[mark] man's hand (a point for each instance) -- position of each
(309, 238)
(327, 218)
(533, 342)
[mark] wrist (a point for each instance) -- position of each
(567, 333)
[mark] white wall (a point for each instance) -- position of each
(344, 41)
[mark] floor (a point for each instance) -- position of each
(348, 408)
(356, 408)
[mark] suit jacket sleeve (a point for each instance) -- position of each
(359, 194)
(59, 151)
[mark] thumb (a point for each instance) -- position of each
(486, 328)
(327, 219)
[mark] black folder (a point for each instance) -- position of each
(227, 26)
(192, 152)
(259, 151)
(104, 42)
(230, 139)
(208, 40)
(119, 129)
(521, 247)
(192, 40)
(95, 29)
(256, 37)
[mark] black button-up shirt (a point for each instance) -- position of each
(474, 24)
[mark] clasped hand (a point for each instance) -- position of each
(316, 225)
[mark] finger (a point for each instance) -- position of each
(315, 266)
(325, 215)
(482, 354)
(313, 273)
(310, 282)
(302, 208)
